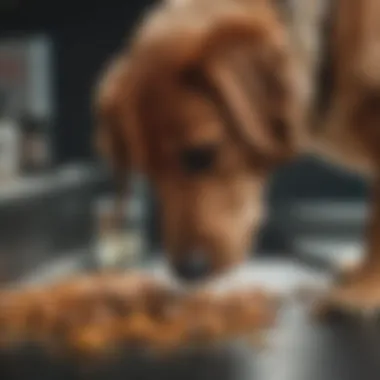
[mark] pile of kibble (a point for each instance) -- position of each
(96, 314)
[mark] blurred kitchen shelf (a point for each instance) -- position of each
(45, 216)
(329, 253)
(328, 234)
(330, 212)
(43, 184)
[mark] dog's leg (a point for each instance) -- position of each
(360, 292)
(347, 271)
(353, 131)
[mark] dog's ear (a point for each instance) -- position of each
(109, 136)
(117, 134)
(251, 74)
(116, 130)
(257, 96)
(110, 140)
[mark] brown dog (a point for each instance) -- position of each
(214, 94)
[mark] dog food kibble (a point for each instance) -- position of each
(92, 315)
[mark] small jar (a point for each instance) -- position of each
(35, 147)
(121, 238)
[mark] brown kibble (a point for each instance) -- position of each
(17, 310)
(168, 338)
(162, 304)
(206, 328)
(138, 329)
(245, 311)
(92, 340)
(95, 314)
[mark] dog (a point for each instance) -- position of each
(211, 96)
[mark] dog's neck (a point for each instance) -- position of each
(309, 24)
(304, 18)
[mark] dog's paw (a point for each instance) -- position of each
(348, 272)
(358, 299)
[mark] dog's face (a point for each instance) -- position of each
(205, 107)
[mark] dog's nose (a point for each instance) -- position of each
(193, 266)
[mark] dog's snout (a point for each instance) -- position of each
(192, 266)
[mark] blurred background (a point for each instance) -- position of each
(55, 196)
(56, 210)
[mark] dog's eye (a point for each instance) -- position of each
(193, 78)
(198, 159)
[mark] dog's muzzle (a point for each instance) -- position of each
(192, 266)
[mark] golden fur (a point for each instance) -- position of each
(237, 76)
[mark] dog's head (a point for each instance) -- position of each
(205, 105)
